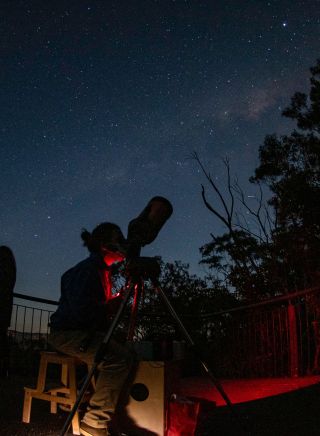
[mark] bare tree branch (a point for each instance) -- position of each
(250, 232)
(256, 214)
(227, 164)
(227, 221)
(208, 205)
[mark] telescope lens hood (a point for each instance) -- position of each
(145, 228)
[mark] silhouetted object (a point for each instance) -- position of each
(316, 332)
(145, 228)
(289, 166)
(83, 317)
(7, 282)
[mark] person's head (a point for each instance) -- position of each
(106, 239)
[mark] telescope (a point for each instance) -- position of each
(144, 229)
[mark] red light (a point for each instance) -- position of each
(241, 391)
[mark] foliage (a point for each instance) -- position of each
(290, 166)
(281, 251)
(190, 296)
(246, 264)
(241, 258)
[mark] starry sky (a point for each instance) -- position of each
(103, 103)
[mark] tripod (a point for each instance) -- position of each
(134, 286)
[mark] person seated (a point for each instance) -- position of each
(82, 319)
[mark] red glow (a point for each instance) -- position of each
(241, 391)
(183, 417)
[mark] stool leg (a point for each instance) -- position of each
(73, 397)
(76, 424)
(64, 381)
(42, 374)
(53, 405)
(64, 374)
(26, 407)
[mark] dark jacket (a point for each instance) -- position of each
(82, 304)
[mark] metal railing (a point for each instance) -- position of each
(28, 332)
(27, 321)
(30, 323)
(277, 337)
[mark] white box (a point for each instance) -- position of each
(145, 406)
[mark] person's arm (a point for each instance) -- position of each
(86, 299)
(113, 304)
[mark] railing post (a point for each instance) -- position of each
(293, 342)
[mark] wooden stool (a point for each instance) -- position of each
(64, 394)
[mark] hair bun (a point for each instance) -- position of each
(86, 237)
(101, 235)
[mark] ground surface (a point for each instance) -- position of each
(293, 412)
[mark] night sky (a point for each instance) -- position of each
(103, 103)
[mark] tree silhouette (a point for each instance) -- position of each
(290, 166)
(280, 251)
(242, 257)
(192, 298)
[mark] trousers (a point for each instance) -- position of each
(113, 370)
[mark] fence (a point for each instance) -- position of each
(29, 329)
(278, 337)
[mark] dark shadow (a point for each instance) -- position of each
(7, 282)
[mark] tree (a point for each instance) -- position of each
(241, 257)
(290, 166)
(280, 252)
(191, 297)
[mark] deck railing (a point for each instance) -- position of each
(272, 338)
(28, 332)
(277, 337)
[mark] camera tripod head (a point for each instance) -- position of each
(143, 268)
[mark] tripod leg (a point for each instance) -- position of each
(98, 357)
(134, 312)
(192, 344)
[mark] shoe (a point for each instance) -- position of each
(87, 430)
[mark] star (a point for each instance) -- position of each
(103, 113)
